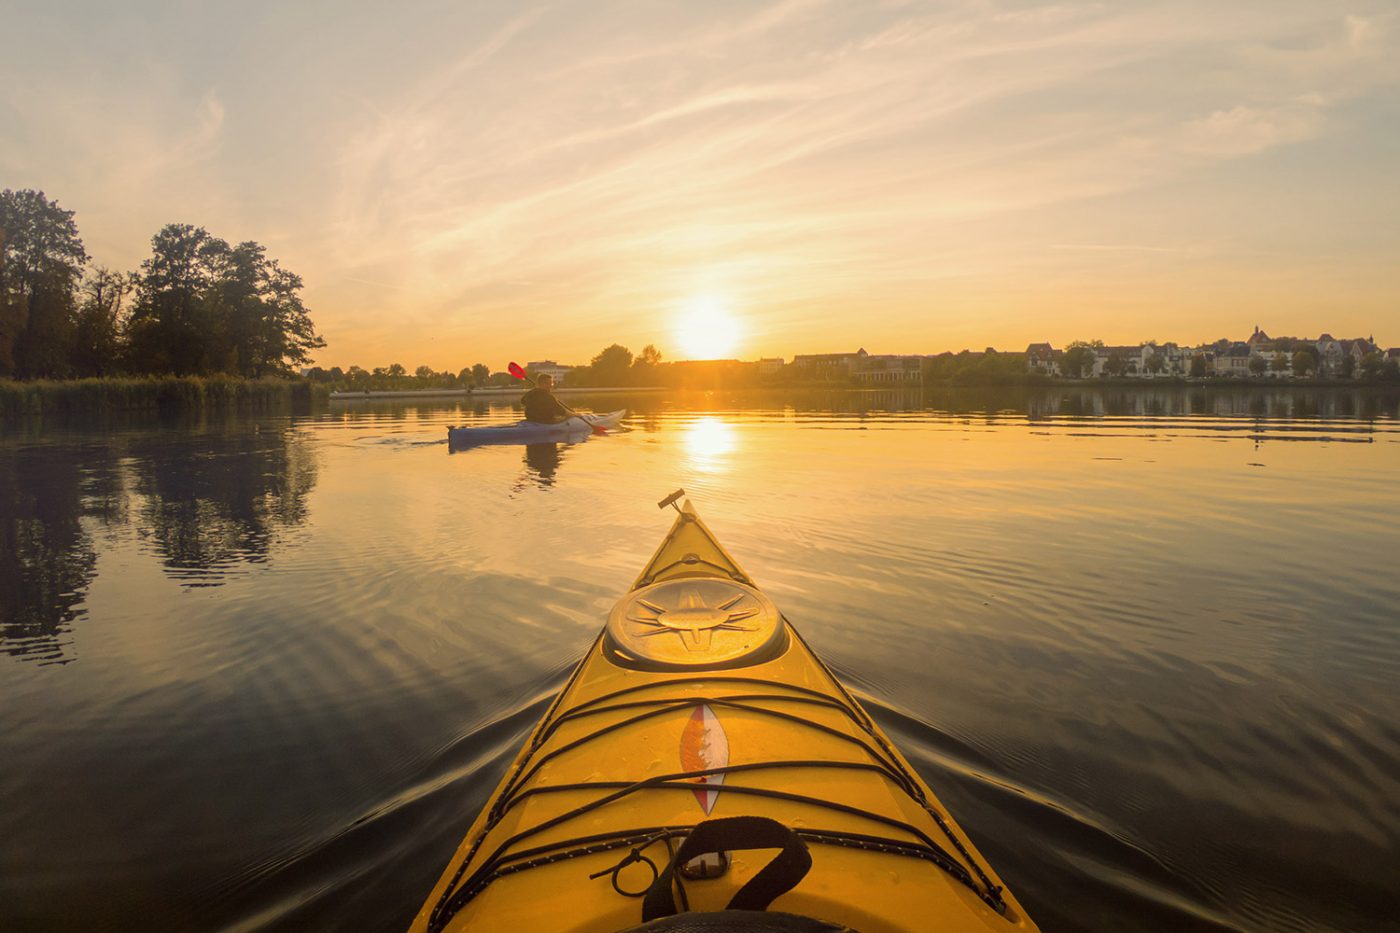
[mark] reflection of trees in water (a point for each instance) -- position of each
(215, 500)
(208, 501)
(651, 414)
(49, 499)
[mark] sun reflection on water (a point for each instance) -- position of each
(708, 443)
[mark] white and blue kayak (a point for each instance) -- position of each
(533, 432)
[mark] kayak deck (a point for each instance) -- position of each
(701, 701)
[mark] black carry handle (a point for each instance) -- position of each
(736, 832)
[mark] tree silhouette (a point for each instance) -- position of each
(1371, 365)
(1079, 358)
(610, 367)
(170, 318)
(203, 306)
(97, 332)
(41, 260)
(644, 367)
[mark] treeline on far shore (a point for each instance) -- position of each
(616, 366)
(613, 367)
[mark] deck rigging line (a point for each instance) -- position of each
(883, 761)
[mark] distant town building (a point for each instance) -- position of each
(889, 369)
(1258, 357)
(829, 365)
(1340, 358)
(1172, 360)
(1233, 360)
(1044, 359)
(862, 367)
(1118, 361)
(548, 368)
(770, 365)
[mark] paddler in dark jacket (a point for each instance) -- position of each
(541, 406)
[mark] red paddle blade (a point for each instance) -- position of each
(516, 371)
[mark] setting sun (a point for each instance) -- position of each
(706, 329)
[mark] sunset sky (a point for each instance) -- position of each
(462, 182)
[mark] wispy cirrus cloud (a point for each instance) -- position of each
(571, 173)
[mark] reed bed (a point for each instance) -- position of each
(154, 393)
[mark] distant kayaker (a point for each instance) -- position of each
(541, 406)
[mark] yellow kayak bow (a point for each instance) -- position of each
(702, 769)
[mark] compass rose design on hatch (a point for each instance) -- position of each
(694, 622)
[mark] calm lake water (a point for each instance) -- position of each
(261, 672)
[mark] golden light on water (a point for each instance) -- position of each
(708, 443)
(706, 329)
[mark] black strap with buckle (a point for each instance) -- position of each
(779, 876)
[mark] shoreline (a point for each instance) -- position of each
(1217, 382)
(1033, 383)
(490, 391)
(20, 401)
(1051, 382)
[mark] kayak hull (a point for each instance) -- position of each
(724, 711)
(532, 432)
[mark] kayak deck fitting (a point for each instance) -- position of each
(699, 734)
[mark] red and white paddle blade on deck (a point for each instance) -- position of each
(704, 745)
